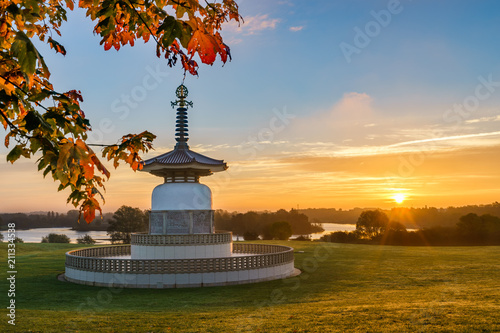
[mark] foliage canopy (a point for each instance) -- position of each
(125, 221)
(372, 222)
(181, 29)
(55, 238)
(87, 239)
(278, 230)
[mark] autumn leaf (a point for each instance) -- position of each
(15, 153)
(70, 4)
(56, 46)
(25, 52)
(206, 46)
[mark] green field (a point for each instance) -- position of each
(343, 288)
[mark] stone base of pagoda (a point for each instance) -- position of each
(187, 246)
(111, 266)
(179, 222)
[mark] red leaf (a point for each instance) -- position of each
(107, 45)
(206, 46)
(70, 4)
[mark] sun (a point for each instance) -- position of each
(399, 197)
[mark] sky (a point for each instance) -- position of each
(326, 104)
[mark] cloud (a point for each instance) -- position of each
(338, 122)
(483, 119)
(354, 104)
(353, 127)
(234, 41)
(295, 29)
(253, 24)
(431, 145)
(449, 138)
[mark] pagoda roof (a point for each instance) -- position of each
(182, 158)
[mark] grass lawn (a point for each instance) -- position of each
(343, 288)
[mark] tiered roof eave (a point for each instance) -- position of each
(183, 159)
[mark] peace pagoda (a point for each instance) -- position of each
(182, 247)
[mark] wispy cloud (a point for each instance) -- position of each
(295, 29)
(448, 138)
(449, 143)
(253, 24)
(483, 119)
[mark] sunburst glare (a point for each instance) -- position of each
(399, 197)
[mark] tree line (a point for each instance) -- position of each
(413, 218)
(375, 227)
(51, 219)
(253, 225)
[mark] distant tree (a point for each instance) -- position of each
(372, 223)
(125, 221)
(395, 226)
(18, 240)
(223, 220)
(73, 214)
(476, 229)
(254, 222)
(55, 238)
(250, 236)
(394, 234)
(492, 226)
(341, 237)
(248, 222)
(278, 230)
(306, 238)
(1, 237)
(87, 239)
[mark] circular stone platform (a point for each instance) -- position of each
(249, 263)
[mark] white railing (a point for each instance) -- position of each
(260, 256)
(188, 239)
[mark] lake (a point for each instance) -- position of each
(35, 235)
(332, 227)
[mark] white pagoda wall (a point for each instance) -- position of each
(181, 196)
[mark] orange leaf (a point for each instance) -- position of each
(99, 166)
(88, 170)
(206, 46)
(70, 4)
(89, 207)
(89, 215)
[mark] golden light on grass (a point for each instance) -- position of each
(399, 197)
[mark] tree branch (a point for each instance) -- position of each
(140, 17)
(152, 34)
(24, 92)
(100, 145)
(11, 125)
